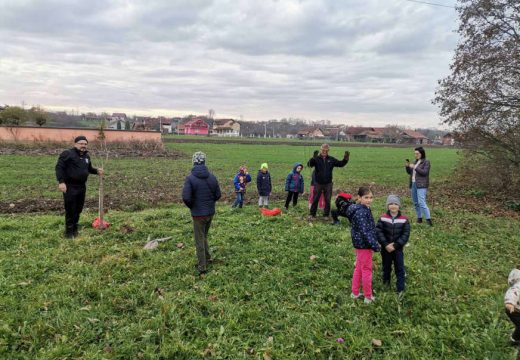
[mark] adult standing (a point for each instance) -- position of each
(324, 164)
(321, 203)
(201, 191)
(72, 172)
(419, 173)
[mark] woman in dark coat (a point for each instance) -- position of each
(419, 173)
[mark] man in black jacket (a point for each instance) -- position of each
(72, 171)
(324, 164)
(201, 191)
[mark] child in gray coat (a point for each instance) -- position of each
(512, 303)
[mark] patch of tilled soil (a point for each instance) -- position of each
(439, 196)
(116, 152)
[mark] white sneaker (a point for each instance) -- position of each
(352, 296)
(369, 301)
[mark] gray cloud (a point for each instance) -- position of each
(352, 61)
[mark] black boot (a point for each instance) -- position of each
(419, 220)
(75, 230)
(429, 222)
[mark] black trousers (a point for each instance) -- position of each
(200, 231)
(396, 257)
(74, 200)
(337, 213)
(318, 189)
(515, 318)
(293, 196)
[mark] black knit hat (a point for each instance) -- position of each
(79, 138)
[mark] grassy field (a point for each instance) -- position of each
(157, 180)
(103, 297)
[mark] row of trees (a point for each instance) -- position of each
(14, 115)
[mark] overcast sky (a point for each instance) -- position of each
(372, 62)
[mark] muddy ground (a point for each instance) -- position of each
(446, 198)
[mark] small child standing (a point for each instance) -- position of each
(240, 181)
(364, 241)
(263, 184)
(512, 303)
(393, 232)
(294, 185)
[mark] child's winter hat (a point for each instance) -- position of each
(264, 166)
(514, 276)
(199, 158)
(393, 199)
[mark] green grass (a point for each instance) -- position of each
(28, 177)
(96, 297)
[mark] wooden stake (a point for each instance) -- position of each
(101, 210)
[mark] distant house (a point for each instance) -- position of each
(119, 116)
(143, 123)
(448, 139)
(115, 124)
(412, 137)
(196, 126)
(225, 127)
(365, 134)
(90, 116)
(167, 125)
(310, 133)
(335, 133)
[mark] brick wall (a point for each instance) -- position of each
(32, 134)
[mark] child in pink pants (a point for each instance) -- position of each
(365, 243)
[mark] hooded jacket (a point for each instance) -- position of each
(513, 293)
(263, 183)
(294, 181)
(363, 229)
(393, 230)
(73, 167)
(238, 184)
(201, 191)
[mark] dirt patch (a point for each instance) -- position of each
(440, 196)
(112, 150)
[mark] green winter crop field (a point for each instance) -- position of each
(102, 296)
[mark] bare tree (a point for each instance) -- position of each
(480, 99)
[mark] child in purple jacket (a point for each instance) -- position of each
(240, 181)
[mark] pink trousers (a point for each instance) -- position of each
(363, 273)
(321, 204)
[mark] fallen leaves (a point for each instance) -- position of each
(159, 292)
(377, 343)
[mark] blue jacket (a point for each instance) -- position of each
(201, 191)
(263, 183)
(363, 229)
(294, 181)
(236, 181)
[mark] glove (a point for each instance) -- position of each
(346, 156)
(316, 153)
